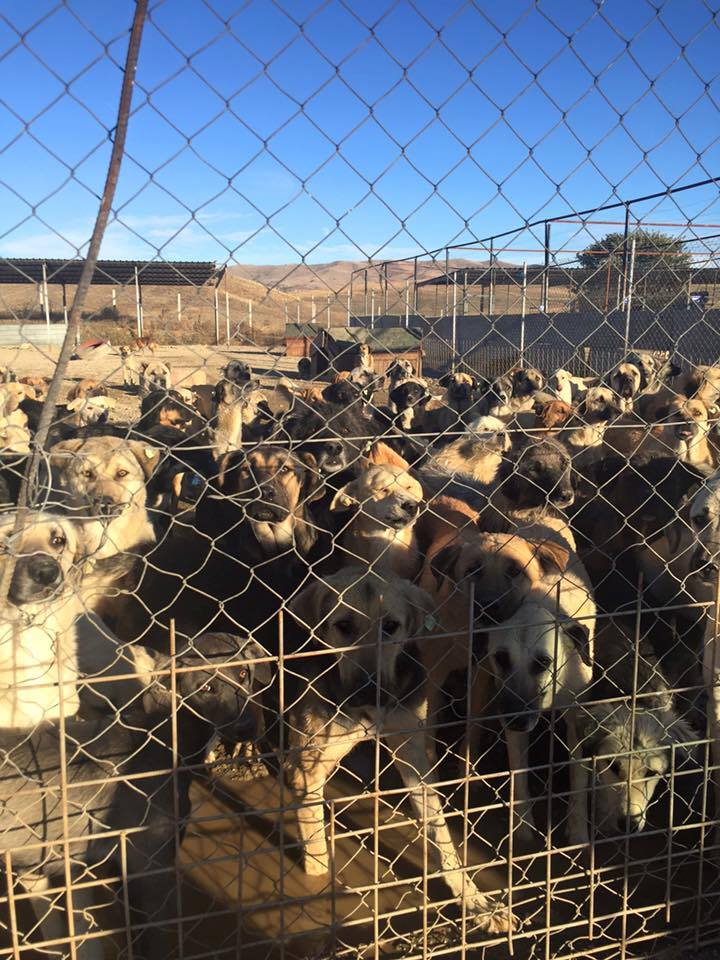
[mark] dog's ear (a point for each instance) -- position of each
(381, 453)
(262, 672)
(346, 497)
(580, 636)
(157, 695)
(313, 485)
(420, 606)
(75, 404)
(66, 446)
(550, 555)
(227, 465)
(680, 734)
(312, 605)
(443, 563)
(147, 456)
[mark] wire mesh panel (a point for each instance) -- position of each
(359, 595)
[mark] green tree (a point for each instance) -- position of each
(653, 249)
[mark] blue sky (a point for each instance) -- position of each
(266, 132)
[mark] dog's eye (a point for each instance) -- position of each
(390, 626)
(58, 540)
(209, 687)
(502, 659)
(87, 472)
(513, 570)
(345, 626)
(243, 673)
(121, 474)
(542, 663)
(616, 768)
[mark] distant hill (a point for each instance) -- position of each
(335, 276)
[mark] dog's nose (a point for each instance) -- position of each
(333, 448)
(408, 506)
(268, 495)
(105, 505)
(630, 823)
(44, 571)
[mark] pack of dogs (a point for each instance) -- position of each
(382, 539)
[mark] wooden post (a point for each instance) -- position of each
(138, 303)
(114, 298)
(64, 304)
(328, 312)
(415, 293)
(372, 309)
(46, 299)
(298, 310)
(349, 298)
(250, 318)
(216, 312)
(385, 279)
(313, 315)
(179, 308)
(227, 315)
(407, 304)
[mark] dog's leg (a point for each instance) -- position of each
(579, 779)
(312, 760)
(521, 814)
(49, 914)
(53, 918)
(411, 758)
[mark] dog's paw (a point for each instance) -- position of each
(491, 915)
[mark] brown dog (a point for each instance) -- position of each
(496, 571)
(86, 388)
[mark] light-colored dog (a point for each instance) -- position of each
(479, 455)
(54, 583)
(376, 688)
(387, 500)
(541, 658)
(103, 479)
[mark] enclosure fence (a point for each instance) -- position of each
(368, 608)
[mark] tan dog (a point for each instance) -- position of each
(38, 385)
(379, 619)
(682, 433)
(14, 433)
(104, 479)
(86, 388)
(381, 533)
(237, 411)
(154, 375)
(89, 409)
(551, 414)
(53, 584)
(494, 570)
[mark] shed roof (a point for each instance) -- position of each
(392, 339)
(162, 273)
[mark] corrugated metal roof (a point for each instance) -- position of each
(161, 273)
(13, 334)
(310, 330)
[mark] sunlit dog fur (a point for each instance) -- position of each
(483, 577)
(376, 688)
(55, 581)
(541, 658)
(238, 410)
(478, 455)
(103, 481)
(386, 500)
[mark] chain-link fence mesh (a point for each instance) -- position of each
(362, 604)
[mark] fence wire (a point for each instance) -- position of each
(365, 609)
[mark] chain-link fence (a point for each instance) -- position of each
(360, 607)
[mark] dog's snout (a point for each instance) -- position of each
(409, 506)
(105, 506)
(333, 448)
(45, 571)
